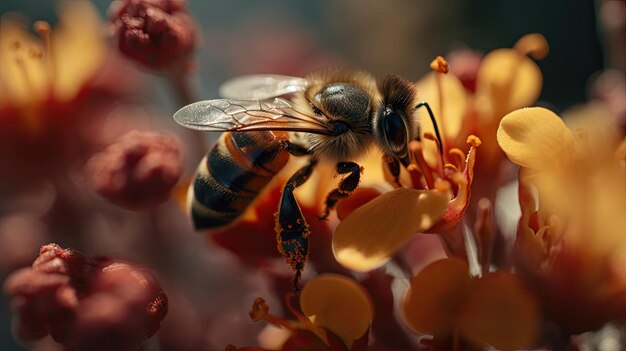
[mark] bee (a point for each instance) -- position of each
(334, 115)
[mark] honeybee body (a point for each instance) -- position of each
(338, 116)
(232, 175)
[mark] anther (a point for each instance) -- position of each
(474, 141)
(439, 65)
(43, 29)
(259, 310)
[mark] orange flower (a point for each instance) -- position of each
(438, 195)
(571, 241)
(456, 309)
(47, 88)
(336, 315)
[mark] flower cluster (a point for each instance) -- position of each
(158, 33)
(570, 235)
(138, 171)
(418, 257)
(86, 303)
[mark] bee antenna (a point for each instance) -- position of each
(434, 121)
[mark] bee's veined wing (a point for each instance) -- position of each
(261, 86)
(250, 115)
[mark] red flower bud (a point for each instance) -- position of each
(157, 33)
(138, 171)
(86, 303)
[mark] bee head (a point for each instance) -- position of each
(394, 124)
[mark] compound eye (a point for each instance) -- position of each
(395, 129)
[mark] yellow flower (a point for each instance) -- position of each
(507, 79)
(571, 239)
(58, 66)
(446, 302)
(47, 86)
(337, 313)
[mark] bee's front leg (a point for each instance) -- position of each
(346, 186)
(292, 230)
(393, 167)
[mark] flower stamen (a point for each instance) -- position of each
(440, 66)
(45, 32)
(306, 322)
(417, 178)
(418, 152)
(432, 137)
(458, 156)
(260, 311)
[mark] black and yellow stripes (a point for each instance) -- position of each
(233, 174)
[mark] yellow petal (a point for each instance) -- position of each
(77, 47)
(507, 80)
(22, 75)
(536, 138)
(436, 296)
(339, 304)
(500, 312)
(449, 116)
(372, 233)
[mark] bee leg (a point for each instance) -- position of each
(292, 230)
(346, 186)
(295, 149)
(393, 167)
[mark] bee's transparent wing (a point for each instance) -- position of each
(261, 87)
(249, 115)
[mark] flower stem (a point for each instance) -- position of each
(185, 94)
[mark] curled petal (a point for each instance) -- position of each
(534, 45)
(80, 30)
(436, 296)
(372, 233)
(338, 304)
(536, 138)
(456, 207)
(500, 312)
(507, 80)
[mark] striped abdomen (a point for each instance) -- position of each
(233, 173)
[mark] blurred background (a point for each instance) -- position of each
(394, 36)
(397, 36)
